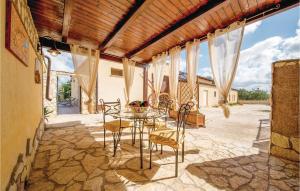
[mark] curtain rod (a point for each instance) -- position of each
(277, 6)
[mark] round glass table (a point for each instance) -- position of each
(139, 119)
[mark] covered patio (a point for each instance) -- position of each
(158, 138)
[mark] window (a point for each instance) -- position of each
(116, 72)
(215, 94)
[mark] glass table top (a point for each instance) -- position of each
(128, 114)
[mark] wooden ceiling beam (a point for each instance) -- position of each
(277, 8)
(200, 11)
(47, 42)
(133, 13)
(67, 19)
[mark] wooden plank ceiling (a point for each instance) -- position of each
(144, 28)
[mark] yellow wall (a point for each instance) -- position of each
(1, 45)
(21, 105)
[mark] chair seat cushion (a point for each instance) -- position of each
(114, 125)
(158, 124)
(166, 136)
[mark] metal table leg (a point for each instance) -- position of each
(141, 129)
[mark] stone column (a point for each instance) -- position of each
(285, 109)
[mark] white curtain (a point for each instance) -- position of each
(192, 60)
(86, 62)
(174, 72)
(224, 49)
(159, 64)
(128, 68)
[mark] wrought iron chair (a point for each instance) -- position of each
(163, 108)
(115, 126)
(172, 137)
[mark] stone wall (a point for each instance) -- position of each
(285, 109)
(20, 174)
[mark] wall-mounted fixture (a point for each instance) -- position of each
(52, 50)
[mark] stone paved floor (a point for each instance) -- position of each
(73, 158)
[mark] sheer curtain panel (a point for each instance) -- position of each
(224, 49)
(128, 68)
(174, 72)
(192, 61)
(86, 62)
(159, 64)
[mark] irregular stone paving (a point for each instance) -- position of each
(73, 158)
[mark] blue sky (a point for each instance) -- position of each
(274, 38)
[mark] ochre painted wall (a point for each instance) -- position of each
(21, 105)
(1, 46)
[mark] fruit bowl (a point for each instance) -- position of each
(139, 106)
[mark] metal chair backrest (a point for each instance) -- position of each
(110, 107)
(164, 106)
(182, 115)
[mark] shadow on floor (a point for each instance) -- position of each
(253, 172)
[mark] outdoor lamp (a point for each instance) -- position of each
(53, 50)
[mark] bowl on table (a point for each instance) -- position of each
(139, 106)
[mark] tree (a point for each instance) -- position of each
(254, 94)
(65, 90)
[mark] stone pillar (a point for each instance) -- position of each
(285, 109)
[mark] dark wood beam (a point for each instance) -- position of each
(200, 11)
(277, 8)
(47, 42)
(138, 8)
(67, 19)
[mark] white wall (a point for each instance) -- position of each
(212, 99)
(110, 88)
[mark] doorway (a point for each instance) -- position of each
(205, 98)
(68, 95)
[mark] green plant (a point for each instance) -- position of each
(47, 113)
(64, 91)
(255, 94)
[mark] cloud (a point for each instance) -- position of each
(255, 63)
(182, 65)
(252, 27)
(254, 69)
(205, 72)
(62, 62)
(298, 30)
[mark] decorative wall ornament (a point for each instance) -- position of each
(25, 15)
(16, 39)
(20, 30)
